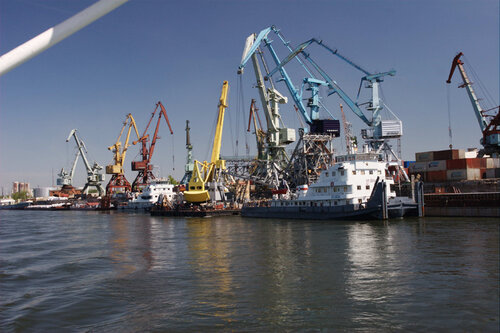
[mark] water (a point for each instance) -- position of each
(91, 271)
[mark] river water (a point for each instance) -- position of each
(94, 271)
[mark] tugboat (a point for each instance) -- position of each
(357, 186)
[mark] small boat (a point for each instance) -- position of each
(158, 188)
(357, 186)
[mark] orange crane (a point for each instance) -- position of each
(118, 182)
(144, 166)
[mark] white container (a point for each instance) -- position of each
(492, 163)
(470, 154)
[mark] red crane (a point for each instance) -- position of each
(145, 174)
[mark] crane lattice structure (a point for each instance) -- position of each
(94, 177)
(379, 130)
(189, 166)
(144, 167)
(118, 182)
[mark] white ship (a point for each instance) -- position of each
(356, 186)
(151, 194)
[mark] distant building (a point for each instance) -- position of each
(20, 187)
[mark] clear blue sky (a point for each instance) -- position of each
(179, 52)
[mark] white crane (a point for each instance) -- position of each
(65, 178)
(94, 177)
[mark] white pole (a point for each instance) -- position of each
(54, 35)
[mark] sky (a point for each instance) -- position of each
(180, 52)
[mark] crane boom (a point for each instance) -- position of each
(220, 123)
(467, 84)
(119, 156)
(489, 123)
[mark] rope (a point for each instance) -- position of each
(484, 91)
(173, 152)
(449, 114)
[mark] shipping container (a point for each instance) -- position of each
(406, 164)
(464, 163)
(436, 166)
(436, 176)
(492, 163)
(493, 173)
(449, 154)
(424, 156)
(470, 154)
(418, 167)
(463, 174)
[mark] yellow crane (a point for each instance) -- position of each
(205, 172)
(118, 180)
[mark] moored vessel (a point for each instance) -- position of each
(357, 186)
(157, 189)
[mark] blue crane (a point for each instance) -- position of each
(313, 83)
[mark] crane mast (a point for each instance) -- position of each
(188, 168)
(94, 177)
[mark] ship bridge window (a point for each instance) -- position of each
(333, 173)
(359, 187)
(341, 172)
(371, 172)
(326, 174)
(353, 172)
(367, 187)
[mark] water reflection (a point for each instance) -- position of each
(210, 253)
(375, 253)
(130, 243)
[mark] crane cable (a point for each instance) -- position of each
(449, 115)
(485, 92)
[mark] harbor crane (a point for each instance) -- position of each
(66, 178)
(118, 182)
(144, 167)
(379, 130)
(189, 167)
(210, 174)
(94, 177)
(489, 120)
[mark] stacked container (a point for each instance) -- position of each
(453, 165)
